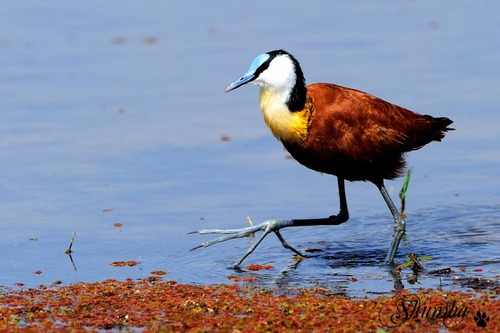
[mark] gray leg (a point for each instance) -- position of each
(275, 225)
(399, 225)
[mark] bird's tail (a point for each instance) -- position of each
(441, 127)
(428, 129)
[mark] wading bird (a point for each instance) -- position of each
(335, 130)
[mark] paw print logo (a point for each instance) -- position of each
(481, 319)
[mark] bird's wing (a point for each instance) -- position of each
(361, 124)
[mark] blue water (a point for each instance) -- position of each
(115, 112)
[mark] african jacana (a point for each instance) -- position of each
(336, 130)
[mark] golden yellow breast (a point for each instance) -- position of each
(285, 125)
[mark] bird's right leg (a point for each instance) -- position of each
(399, 224)
(275, 225)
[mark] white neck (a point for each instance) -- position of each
(279, 76)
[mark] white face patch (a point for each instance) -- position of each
(280, 75)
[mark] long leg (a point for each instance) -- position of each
(399, 224)
(275, 225)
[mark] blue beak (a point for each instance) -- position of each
(241, 81)
(249, 76)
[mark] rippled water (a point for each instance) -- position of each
(115, 113)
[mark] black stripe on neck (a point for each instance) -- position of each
(297, 99)
(298, 95)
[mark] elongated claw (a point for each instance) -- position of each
(267, 227)
(233, 234)
(218, 240)
(238, 233)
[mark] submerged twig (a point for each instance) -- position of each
(68, 251)
(414, 262)
(249, 220)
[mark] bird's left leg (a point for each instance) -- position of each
(275, 225)
(266, 227)
(399, 224)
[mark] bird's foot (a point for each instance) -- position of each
(266, 227)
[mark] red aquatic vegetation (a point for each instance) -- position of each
(152, 306)
(130, 263)
(256, 267)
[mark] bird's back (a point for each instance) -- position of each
(357, 136)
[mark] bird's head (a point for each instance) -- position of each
(276, 70)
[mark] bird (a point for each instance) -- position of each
(334, 130)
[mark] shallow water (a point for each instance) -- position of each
(116, 113)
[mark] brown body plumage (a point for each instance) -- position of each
(357, 136)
